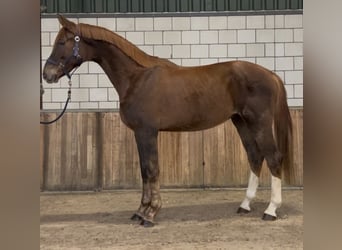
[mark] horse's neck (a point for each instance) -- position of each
(118, 66)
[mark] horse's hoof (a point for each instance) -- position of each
(268, 217)
(146, 223)
(136, 217)
(242, 211)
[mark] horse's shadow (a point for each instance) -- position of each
(200, 213)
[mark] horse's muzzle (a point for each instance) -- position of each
(50, 78)
(51, 74)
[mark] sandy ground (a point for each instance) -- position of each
(189, 219)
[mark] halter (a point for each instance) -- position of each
(75, 53)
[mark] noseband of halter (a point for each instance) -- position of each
(75, 54)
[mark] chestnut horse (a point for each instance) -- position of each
(158, 95)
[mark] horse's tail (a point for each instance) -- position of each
(283, 132)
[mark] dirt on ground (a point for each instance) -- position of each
(189, 219)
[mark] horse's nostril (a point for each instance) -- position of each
(49, 78)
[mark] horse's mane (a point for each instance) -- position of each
(139, 56)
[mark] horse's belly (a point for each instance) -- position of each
(199, 119)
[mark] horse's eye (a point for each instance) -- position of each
(61, 42)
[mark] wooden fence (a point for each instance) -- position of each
(91, 150)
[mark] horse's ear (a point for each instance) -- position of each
(67, 24)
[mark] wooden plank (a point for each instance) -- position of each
(209, 155)
(105, 155)
(94, 148)
(298, 146)
(41, 156)
(66, 153)
(52, 174)
(196, 173)
(108, 147)
(168, 158)
(184, 159)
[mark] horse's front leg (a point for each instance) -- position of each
(148, 155)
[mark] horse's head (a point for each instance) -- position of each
(65, 55)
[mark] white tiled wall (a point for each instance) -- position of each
(273, 41)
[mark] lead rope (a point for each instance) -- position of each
(66, 103)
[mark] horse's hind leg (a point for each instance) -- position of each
(255, 159)
(148, 155)
(267, 146)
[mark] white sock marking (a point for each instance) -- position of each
(275, 197)
(253, 183)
